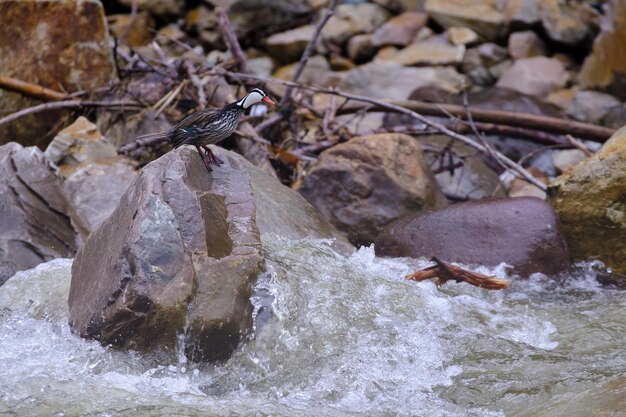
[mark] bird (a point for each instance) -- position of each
(210, 126)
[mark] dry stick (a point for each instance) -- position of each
(228, 33)
(399, 109)
(29, 89)
(67, 104)
(309, 50)
(195, 80)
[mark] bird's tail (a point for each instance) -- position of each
(150, 140)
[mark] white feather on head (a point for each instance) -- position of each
(254, 96)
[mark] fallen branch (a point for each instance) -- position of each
(67, 104)
(309, 49)
(230, 37)
(445, 272)
(29, 89)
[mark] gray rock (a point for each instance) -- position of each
(180, 253)
(523, 232)
(35, 225)
(361, 48)
(536, 76)
(364, 184)
(399, 30)
(526, 44)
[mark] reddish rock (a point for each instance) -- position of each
(62, 45)
(523, 232)
(364, 184)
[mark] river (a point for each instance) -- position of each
(336, 336)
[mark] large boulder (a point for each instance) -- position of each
(591, 205)
(35, 224)
(605, 67)
(62, 45)
(523, 232)
(366, 183)
(178, 256)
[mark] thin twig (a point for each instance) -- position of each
(67, 104)
(578, 145)
(230, 37)
(30, 89)
(309, 50)
(195, 80)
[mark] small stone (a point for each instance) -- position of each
(386, 54)
(584, 105)
(462, 36)
(482, 16)
(522, 13)
(430, 53)
(536, 76)
(337, 30)
(568, 23)
(139, 33)
(263, 66)
(363, 17)
(479, 61)
(399, 30)
(288, 46)
(361, 48)
(525, 45)
(566, 159)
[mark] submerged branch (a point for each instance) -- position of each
(445, 272)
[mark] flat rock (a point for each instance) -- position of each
(400, 30)
(190, 252)
(35, 224)
(430, 53)
(363, 17)
(364, 184)
(526, 44)
(605, 67)
(523, 232)
(590, 202)
(62, 45)
(584, 105)
(462, 36)
(288, 46)
(390, 80)
(537, 76)
(482, 16)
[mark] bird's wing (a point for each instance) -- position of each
(191, 124)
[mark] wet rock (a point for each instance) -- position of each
(430, 53)
(399, 30)
(191, 250)
(361, 48)
(483, 17)
(567, 23)
(584, 105)
(462, 36)
(288, 46)
(61, 45)
(158, 7)
(35, 225)
(605, 68)
(536, 76)
(523, 232)
(364, 184)
(390, 80)
(590, 202)
(526, 44)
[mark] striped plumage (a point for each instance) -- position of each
(211, 126)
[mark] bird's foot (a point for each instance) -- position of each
(205, 159)
(211, 156)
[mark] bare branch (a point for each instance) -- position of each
(230, 37)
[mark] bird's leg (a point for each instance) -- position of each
(206, 160)
(209, 153)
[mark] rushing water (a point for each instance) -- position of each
(336, 336)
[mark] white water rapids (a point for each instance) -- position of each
(336, 336)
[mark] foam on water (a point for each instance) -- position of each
(334, 335)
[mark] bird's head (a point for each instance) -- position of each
(256, 95)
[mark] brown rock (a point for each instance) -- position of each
(61, 45)
(249, 16)
(526, 44)
(523, 232)
(430, 53)
(590, 202)
(133, 32)
(536, 76)
(399, 30)
(362, 17)
(522, 13)
(462, 36)
(568, 23)
(288, 46)
(189, 255)
(361, 48)
(35, 224)
(605, 68)
(482, 16)
(364, 184)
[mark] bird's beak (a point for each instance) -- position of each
(268, 100)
